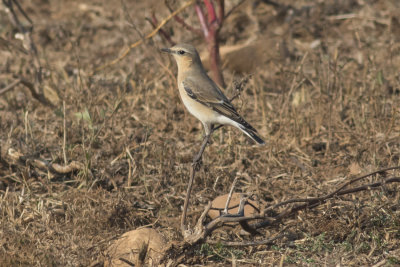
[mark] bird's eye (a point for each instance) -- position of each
(181, 52)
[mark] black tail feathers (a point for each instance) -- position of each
(252, 134)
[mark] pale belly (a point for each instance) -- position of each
(203, 113)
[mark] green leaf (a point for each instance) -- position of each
(84, 115)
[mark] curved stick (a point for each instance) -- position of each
(195, 166)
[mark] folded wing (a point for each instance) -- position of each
(206, 92)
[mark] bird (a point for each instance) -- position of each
(201, 95)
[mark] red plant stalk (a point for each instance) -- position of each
(211, 29)
(210, 11)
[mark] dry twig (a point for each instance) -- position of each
(148, 36)
(26, 32)
(10, 86)
(153, 21)
(40, 97)
(44, 164)
(182, 21)
(201, 232)
(195, 166)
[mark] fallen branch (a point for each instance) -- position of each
(314, 202)
(201, 231)
(330, 195)
(268, 241)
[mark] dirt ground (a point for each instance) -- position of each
(323, 91)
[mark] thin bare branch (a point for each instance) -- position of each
(130, 21)
(316, 202)
(336, 192)
(148, 36)
(202, 233)
(10, 86)
(195, 166)
(221, 12)
(39, 97)
(268, 241)
(234, 8)
(228, 199)
(244, 224)
(153, 21)
(182, 21)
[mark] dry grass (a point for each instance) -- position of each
(325, 96)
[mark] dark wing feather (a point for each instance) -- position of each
(207, 93)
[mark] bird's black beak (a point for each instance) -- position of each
(166, 50)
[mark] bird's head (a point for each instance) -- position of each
(185, 55)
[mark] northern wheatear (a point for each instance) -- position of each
(201, 95)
